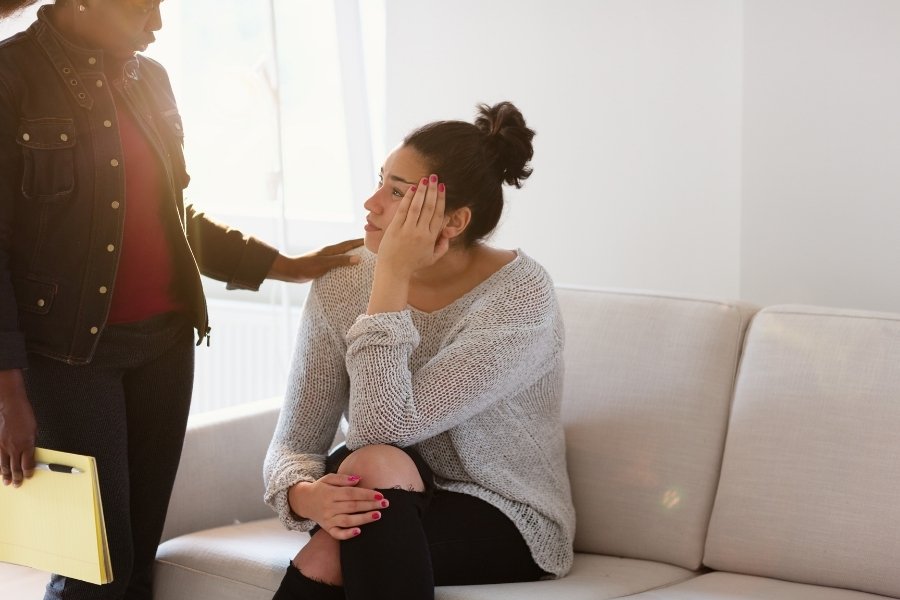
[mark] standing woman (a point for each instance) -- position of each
(100, 266)
(445, 356)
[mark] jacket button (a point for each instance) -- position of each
(92, 61)
(114, 163)
(63, 137)
(110, 248)
(94, 330)
(102, 289)
(26, 137)
(107, 123)
(41, 303)
(115, 204)
(99, 83)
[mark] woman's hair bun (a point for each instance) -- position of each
(507, 141)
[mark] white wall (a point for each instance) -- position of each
(637, 105)
(821, 191)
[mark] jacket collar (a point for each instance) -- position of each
(71, 61)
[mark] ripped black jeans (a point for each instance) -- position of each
(424, 539)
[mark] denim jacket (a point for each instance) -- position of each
(62, 197)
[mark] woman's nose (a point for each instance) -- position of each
(371, 204)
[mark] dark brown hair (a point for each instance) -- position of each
(474, 160)
(10, 7)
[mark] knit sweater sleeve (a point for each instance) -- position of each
(315, 398)
(503, 348)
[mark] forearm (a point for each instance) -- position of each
(390, 291)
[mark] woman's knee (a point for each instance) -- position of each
(384, 467)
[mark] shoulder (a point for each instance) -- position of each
(343, 293)
(15, 52)
(520, 294)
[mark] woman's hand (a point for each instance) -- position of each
(300, 269)
(336, 505)
(18, 429)
(414, 239)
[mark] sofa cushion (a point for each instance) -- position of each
(811, 477)
(729, 586)
(247, 561)
(647, 390)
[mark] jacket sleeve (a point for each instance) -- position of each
(315, 400)
(226, 254)
(12, 341)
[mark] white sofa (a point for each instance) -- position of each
(715, 452)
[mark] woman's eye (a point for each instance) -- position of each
(398, 193)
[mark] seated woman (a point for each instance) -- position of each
(445, 356)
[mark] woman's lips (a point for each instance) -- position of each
(370, 227)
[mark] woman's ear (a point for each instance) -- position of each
(457, 221)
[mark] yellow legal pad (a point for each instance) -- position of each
(54, 521)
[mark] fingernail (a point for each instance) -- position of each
(379, 496)
(353, 478)
(434, 179)
(413, 188)
(356, 532)
(441, 187)
(376, 516)
(384, 503)
(423, 182)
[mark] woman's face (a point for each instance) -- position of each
(119, 27)
(403, 168)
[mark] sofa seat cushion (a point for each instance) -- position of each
(247, 561)
(729, 586)
(237, 562)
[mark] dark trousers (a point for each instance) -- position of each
(422, 540)
(128, 408)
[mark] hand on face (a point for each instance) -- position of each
(415, 238)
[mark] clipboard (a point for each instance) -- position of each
(54, 521)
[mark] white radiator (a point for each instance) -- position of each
(249, 354)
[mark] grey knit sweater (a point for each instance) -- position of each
(475, 387)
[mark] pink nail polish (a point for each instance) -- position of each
(376, 516)
(379, 496)
(441, 187)
(434, 179)
(423, 182)
(353, 478)
(413, 188)
(384, 504)
(356, 532)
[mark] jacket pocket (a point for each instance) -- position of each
(34, 295)
(175, 139)
(48, 147)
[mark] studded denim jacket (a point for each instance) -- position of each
(62, 204)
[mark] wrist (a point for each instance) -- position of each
(12, 385)
(296, 495)
(279, 267)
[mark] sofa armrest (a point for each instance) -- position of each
(220, 478)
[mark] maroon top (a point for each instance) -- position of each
(145, 276)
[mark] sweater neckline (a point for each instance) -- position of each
(475, 290)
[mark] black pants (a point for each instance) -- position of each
(422, 540)
(128, 408)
